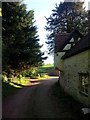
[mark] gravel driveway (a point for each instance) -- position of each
(36, 101)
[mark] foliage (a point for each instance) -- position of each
(23, 79)
(64, 19)
(20, 42)
(4, 78)
(37, 72)
(27, 73)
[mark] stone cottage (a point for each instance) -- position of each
(72, 60)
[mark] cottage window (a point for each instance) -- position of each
(83, 83)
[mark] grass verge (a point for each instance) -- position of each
(7, 89)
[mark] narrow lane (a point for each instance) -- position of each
(36, 101)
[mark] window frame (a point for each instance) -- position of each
(83, 79)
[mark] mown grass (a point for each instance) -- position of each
(44, 77)
(42, 69)
(9, 88)
(24, 81)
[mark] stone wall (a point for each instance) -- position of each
(89, 50)
(69, 79)
(89, 75)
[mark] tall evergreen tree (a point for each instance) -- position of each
(19, 36)
(65, 17)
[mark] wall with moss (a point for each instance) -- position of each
(70, 78)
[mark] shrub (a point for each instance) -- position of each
(4, 78)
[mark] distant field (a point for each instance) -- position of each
(43, 68)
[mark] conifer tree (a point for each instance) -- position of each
(21, 47)
(64, 19)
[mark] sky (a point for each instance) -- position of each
(42, 9)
